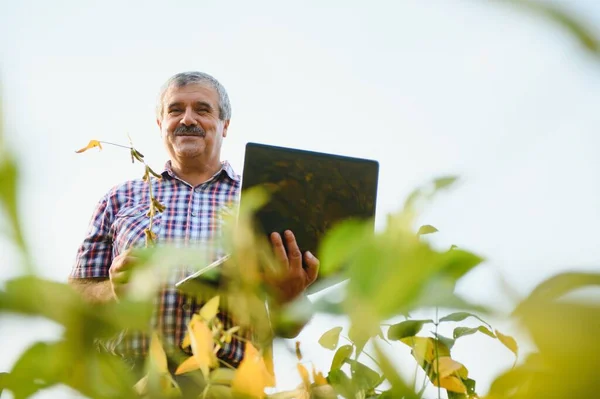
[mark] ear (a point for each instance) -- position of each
(159, 123)
(225, 127)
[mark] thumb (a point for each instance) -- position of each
(312, 264)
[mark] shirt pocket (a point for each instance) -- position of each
(130, 224)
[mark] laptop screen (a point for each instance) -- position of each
(313, 191)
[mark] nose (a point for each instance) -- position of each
(187, 118)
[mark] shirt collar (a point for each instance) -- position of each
(225, 168)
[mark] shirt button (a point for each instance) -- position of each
(194, 214)
(186, 307)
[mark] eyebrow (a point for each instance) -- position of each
(196, 104)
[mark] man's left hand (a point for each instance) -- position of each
(291, 279)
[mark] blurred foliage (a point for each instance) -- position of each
(560, 16)
(389, 274)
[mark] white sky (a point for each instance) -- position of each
(505, 100)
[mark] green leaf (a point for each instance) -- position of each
(341, 383)
(559, 285)
(341, 355)
(442, 183)
(427, 229)
(363, 377)
(407, 328)
(222, 376)
(570, 23)
(40, 366)
(462, 331)
(458, 262)
(330, 339)
(339, 245)
(8, 200)
(427, 192)
(4, 378)
(448, 342)
(470, 384)
(509, 342)
(460, 316)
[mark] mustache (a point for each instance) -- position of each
(183, 130)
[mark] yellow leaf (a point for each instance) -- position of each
(190, 364)
(298, 351)
(509, 342)
(228, 335)
(186, 340)
(252, 376)
(141, 387)
(304, 375)
(446, 366)
(269, 366)
(91, 144)
(423, 348)
(201, 340)
(210, 309)
(452, 384)
(157, 355)
(318, 377)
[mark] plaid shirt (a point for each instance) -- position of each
(191, 217)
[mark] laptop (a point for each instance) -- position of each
(310, 192)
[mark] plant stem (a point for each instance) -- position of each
(226, 364)
(437, 358)
(116, 145)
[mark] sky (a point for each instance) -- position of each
(500, 97)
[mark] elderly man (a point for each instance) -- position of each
(193, 115)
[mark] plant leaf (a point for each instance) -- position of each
(509, 342)
(330, 339)
(462, 331)
(141, 387)
(91, 144)
(343, 353)
(210, 309)
(304, 376)
(364, 377)
(575, 27)
(446, 366)
(157, 355)
(252, 377)
(339, 244)
(451, 383)
(449, 342)
(318, 377)
(441, 183)
(189, 364)
(201, 340)
(407, 328)
(427, 229)
(341, 383)
(222, 376)
(460, 316)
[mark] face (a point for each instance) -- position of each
(190, 124)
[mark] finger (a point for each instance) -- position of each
(312, 263)
(293, 252)
(124, 262)
(279, 249)
(120, 277)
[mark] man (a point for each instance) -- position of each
(193, 115)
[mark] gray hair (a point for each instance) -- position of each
(186, 78)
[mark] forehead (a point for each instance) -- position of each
(191, 93)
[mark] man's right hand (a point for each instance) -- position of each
(120, 272)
